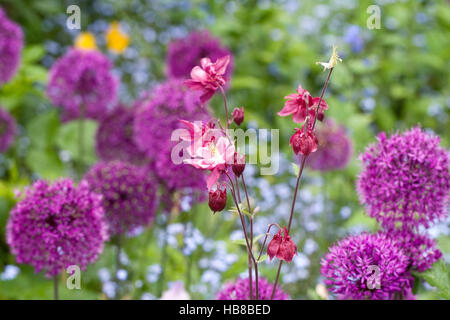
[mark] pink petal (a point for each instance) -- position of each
(193, 84)
(207, 95)
(204, 62)
(212, 179)
(221, 65)
(288, 109)
(199, 74)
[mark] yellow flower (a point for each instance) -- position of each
(116, 40)
(85, 41)
(333, 60)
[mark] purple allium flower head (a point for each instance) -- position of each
(82, 80)
(405, 180)
(354, 39)
(57, 225)
(157, 116)
(8, 129)
(184, 54)
(335, 148)
(129, 195)
(115, 137)
(420, 249)
(347, 270)
(11, 44)
(239, 290)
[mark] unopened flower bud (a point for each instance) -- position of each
(217, 199)
(239, 164)
(304, 142)
(238, 115)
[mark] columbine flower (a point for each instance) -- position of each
(238, 115)
(209, 77)
(57, 225)
(82, 84)
(85, 41)
(214, 155)
(240, 290)
(157, 116)
(332, 62)
(8, 130)
(218, 198)
(116, 40)
(185, 53)
(239, 164)
(282, 247)
(349, 268)
(304, 141)
(11, 44)
(115, 137)
(405, 180)
(334, 150)
(129, 195)
(301, 105)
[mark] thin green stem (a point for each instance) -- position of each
(55, 288)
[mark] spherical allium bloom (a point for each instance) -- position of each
(157, 116)
(420, 249)
(82, 84)
(240, 290)
(129, 195)
(115, 137)
(8, 130)
(334, 150)
(405, 180)
(349, 268)
(57, 225)
(186, 53)
(11, 44)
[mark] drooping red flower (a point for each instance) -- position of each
(238, 115)
(282, 247)
(302, 104)
(239, 164)
(209, 77)
(218, 198)
(304, 141)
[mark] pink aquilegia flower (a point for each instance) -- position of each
(218, 198)
(210, 149)
(282, 247)
(304, 141)
(209, 77)
(302, 104)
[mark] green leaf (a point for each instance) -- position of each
(439, 277)
(244, 243)
(69, 139)
(296, 168)
(263, 257)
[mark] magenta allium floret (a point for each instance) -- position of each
(129, 195)
(185, 53)
(8, 130)
(239, 290)
(157, 116)
(420, 249)
(335, 147)
(82, 84)
(348, 274)
(405, 180)
(11, 44)
(57, 225)
(115, 137)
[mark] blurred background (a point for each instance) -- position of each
(391, 79)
